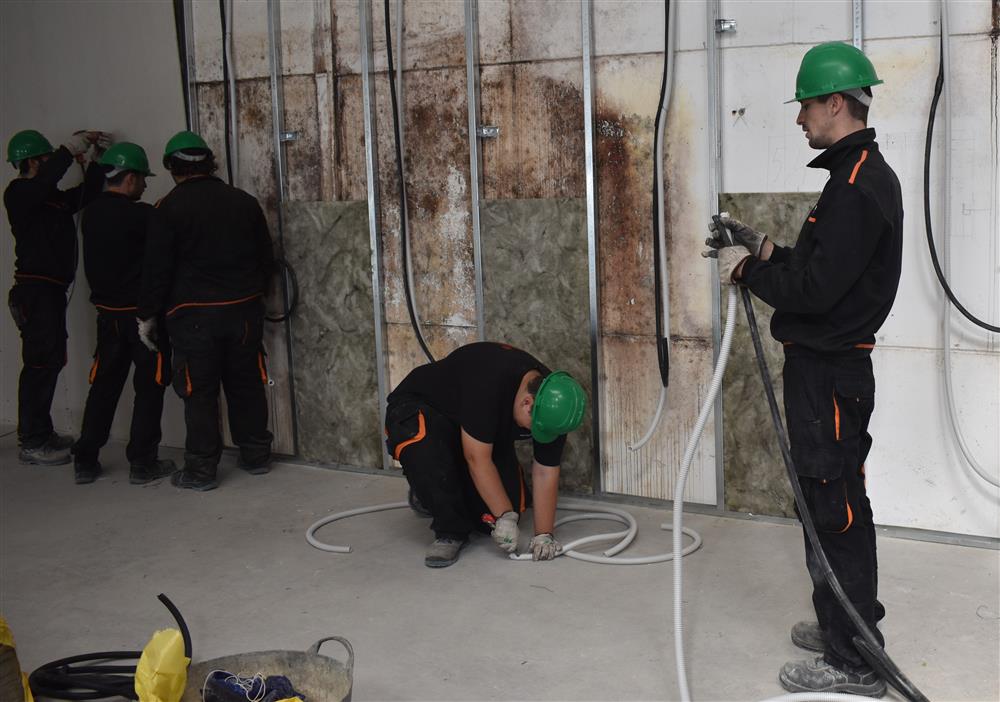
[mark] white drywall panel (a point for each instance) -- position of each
(95, 65)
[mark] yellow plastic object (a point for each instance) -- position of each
(161, 673)
(291, 699)
(10, 669)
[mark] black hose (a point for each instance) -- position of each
(293, 300)
(228, 107)
(938, 85)
(180, 29)
(866, 643)
(403, 227)
(90, 676)
(662, 341)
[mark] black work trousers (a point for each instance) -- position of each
(118, 349)
(213, 346)
(429, 446)
(828, 404)
(39, 311)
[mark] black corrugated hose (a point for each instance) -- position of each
(866, 643)
(67, 679)
(662, 341)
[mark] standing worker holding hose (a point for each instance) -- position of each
(831, 292)
(453, 423)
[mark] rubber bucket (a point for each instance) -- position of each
(318, 677)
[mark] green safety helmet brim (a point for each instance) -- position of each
(833, 67)
(126, 156)
(558, 408)
(183, 141)
(26, 144)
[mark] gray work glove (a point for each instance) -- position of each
(505, 531)
(742, 235)
(544, 547)
(730, 257)
(147, 333)
(101, 141)
(78, 143)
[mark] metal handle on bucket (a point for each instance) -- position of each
(314, 649)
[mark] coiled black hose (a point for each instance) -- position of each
(938, 85)
(403, 227)
(866, 643)
(65, 679)
(293, 283)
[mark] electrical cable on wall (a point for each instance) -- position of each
(229, 95)
(179, 28)
(661, 276)
(941, 84)
(404, 230)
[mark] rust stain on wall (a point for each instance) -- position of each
(349, 158)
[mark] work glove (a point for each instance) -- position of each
(742, 235)
(102, 140)
(730, 257)
(147, 333)
(544, 547)
(505, 531)
(78, 143)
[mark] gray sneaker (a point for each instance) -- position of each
(443, 552)
(809, 636)
(816, 675)
(44, 455)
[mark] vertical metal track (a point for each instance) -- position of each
(192, 85)
(475, 154)
(713, 62)
(586, 12)
(374, 217)
(277, 122)
(858, 9)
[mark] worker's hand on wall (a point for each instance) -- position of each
(147, 333)
(77, 143)
(101, 140)
(742, 234)
(731, 260)
(505, 532)
(544, 547)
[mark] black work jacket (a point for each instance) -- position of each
(208, 245)
(833, 290)
(114, 239)
(41, 220)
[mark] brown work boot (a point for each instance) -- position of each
(809, 636)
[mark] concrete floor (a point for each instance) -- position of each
(80, 568)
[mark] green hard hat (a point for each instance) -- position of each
(126, 156)
(26, 144)
(182, 141)
(558, 408)
(833, 67)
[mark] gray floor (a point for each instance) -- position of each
(82, 565)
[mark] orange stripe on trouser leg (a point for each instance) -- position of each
(93, 369)
(187, 381)
(421, 433)
(159, 369)
(263, 368)
(836, 418)
(850, 513)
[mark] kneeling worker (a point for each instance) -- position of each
(452, 424)
(114, 239)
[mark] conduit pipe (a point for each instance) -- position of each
(662, 272)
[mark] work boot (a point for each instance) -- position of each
(86, 472)
(255, 468)
(816, 675)
(190, 481)
(142, 473)
(809, 636)
(416, 505)
(444, 551)
(60, 441)
(44, 455)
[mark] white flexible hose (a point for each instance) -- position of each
(661, 218)
(316, 543)
(946, 368)
(234, 141)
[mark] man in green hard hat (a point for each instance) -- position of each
(452, 425)
(114, 241)
(207, 265)
(831, 292)
(41, 220)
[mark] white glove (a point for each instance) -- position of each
(742, 235)
(544, 547)
(730, 258)
(78, 143)
(505, 531)
(147, 333)
(103, 140)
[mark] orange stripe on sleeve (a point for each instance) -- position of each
(421, 433)
(836, 418)
(857, 166)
